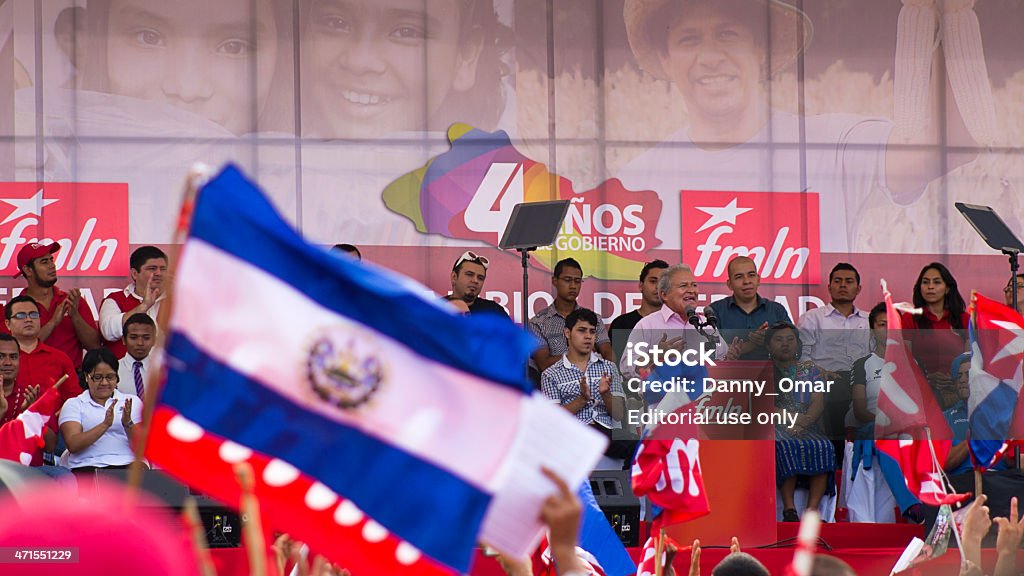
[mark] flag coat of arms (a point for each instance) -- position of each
(385, 431)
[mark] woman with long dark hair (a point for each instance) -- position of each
(938, 334)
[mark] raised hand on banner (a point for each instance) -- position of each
(1008, 541)
(694, 559)
(734, 546)
(3, 405)
(290, 551)
(976, 526)
(31, 393)
(561, 513)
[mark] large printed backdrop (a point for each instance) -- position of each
(411, 127)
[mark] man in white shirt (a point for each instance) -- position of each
(669, 326)
(139, 338)
(834, 337)
(148, 270)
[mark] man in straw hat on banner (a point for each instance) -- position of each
(721, 55)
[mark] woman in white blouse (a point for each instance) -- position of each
(99, 424)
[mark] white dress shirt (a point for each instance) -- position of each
(834, 341)
(126, 373)
(112, 448)
(112, 317)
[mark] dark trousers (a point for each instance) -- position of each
(620, 444)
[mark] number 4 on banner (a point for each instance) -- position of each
(499, 191)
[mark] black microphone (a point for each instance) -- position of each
(709, 317)
(691, 316)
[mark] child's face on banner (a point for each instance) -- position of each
(194, 54)
(382, 66)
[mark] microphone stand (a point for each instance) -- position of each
(705, 327)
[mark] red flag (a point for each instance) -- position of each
(668, 472)
(21, 439)
(919, 470)
(325, 521)
(909, 418)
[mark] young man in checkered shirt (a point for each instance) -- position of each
(582, 381)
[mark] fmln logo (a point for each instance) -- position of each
(89, 221)
(779, 231)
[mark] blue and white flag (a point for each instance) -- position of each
(363, 404)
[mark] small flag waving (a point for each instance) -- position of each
(22, 438)
(997, 344)
(666, 467)
(384, 431)
(907, 409)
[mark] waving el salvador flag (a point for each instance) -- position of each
(385, 431)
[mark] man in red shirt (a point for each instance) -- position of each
(65, 320)
(143, 296)
(39, 365)
(18, 397)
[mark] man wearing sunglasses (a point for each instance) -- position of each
(40, 364)
(549, 323)
(468, 277)
(65, 320)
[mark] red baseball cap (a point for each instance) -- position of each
(32, 251)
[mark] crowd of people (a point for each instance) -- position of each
(830, 446)
(580, 364)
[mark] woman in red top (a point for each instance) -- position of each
(938, 335)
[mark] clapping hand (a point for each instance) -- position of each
(31, 393)
(126, 414)
(108, 419)
(71, 303)
(585, 390)
(757, 336)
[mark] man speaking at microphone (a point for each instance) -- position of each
(672, 326)
(746, 315)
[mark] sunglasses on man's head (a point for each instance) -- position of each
(469, 256)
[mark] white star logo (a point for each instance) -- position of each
(26, 206)
(721, 214)
(1013, 347)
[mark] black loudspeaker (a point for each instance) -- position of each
(223, 525)
(614, 493)
(15, 478)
